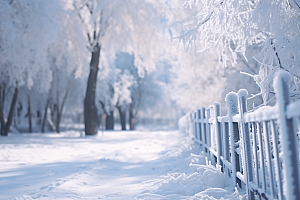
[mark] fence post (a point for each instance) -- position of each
(203, 129)
(197, 117)
(194, 121)
(199, 125)
(248, 165)
(207, 131)
(217, 113)
(291, 182)
(232, 106)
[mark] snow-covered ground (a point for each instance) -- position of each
(114, 165)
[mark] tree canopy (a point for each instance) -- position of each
(231, 27)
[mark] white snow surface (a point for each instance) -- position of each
(111, 165)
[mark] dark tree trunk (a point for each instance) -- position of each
(11, 113)
(19, 110)
(131, 118)
(53, 110)
(39, 117)
(110, 122)
(122, 118)
(2, 126)
(60, 110)
(57, 118)
(2, 115)
(3, 95)
(29, 116)
(45, 112)
(45, 116)
(57, 122)
(90, 109)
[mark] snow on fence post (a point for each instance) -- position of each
(247, 158)
(232, 106)
(217, 113)
(291, 185)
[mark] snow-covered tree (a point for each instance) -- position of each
(27, 28)
(105, 94)
(116, 82)
(67, 56)
(230, 27)
(115, 25)
(153, 93)
(38, 40)
(126, 80)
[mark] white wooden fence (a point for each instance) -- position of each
(259, 150)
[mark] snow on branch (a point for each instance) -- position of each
(232, 26)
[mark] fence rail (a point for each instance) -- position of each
(259, 150)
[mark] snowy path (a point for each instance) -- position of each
(67, 166)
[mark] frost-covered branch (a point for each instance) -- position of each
(231, 27)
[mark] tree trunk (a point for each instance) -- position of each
(109, 119)
(19, 111)
(45, 117)
(15, 123)
(11, 112)
(38, 115)
(29, 116)
(131, 118)
(90, 109)
(59, 111)
(45, 112)
(122, 118)
(2, 115)
(53, 114)
(3, 95)
(57, 121)
(109, 123)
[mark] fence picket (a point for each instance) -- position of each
(207, 129)
(226, 144)
(254, 131)
(199, 126)
(231, 100)
(277, 162)
(261, 158)
(247, 158)
(217, 113)
(203, 129)
(268, 156)
(291, 174)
